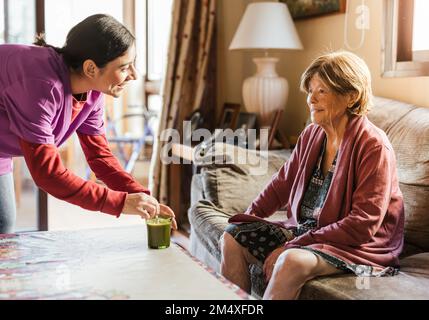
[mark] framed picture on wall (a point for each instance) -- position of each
(302, 9)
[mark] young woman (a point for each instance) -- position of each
(47, 94)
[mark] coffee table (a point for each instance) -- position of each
(113, 263)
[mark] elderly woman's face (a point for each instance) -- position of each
(326, 106)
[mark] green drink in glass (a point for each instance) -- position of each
(158, 232)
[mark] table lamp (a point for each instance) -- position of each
(265, 25)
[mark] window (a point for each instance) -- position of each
(406, 45)
(156, 36)
(420, 43)
(18, 21)
(61, 16)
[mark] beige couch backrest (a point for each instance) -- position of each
(407, 127)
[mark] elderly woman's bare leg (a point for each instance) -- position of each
(293, 269)
(235, 262)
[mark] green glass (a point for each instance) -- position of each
(158, 233)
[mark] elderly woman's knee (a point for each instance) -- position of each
(227, 242)
(297, 261)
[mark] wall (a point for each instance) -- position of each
(318, 35)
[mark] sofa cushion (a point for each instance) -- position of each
(411, 283)
(416, 201)
(407, 128)
(417, 265)
(410, 140)
(234, 186)
(386, 112)
(349, 287)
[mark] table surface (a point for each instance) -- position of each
(113, 263)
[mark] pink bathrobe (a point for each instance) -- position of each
(362, 219)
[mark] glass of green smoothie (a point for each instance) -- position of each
(158, 232)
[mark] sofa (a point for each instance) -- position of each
(219, 191)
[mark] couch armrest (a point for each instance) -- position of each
(208, 224)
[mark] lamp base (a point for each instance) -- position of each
(265, 92)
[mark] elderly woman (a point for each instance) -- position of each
(339, 189)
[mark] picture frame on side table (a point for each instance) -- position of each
(229, 117)
(276, 138)
(274, 127)
(246, 120)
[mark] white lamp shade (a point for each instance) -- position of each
(266, 25)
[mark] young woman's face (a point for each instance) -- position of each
(113, 78)
(326, 106)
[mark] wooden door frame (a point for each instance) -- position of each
(42, 196)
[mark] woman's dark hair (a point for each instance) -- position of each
(99, 37)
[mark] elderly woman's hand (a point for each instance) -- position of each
(270, 261)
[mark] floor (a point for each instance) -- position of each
(65, 216)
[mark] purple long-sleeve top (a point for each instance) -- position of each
(35, 101)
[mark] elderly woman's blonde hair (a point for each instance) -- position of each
(343, 72)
